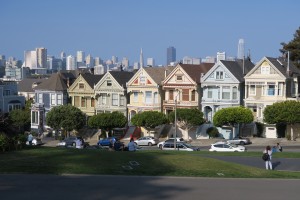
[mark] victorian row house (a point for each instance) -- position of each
(271, 80)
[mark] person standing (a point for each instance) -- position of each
(29, 139)
(268, 162)
(131, 145)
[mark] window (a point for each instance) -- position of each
(122, 100)
(252, 90)
(271, 90)
(148, 98)
(209, 92)
(219, 75)
(265, 69)
(234, 93)
(14, 107)
(185, 95)
(193, 95)
(103, 99)
(108, 83)
(171, 95)
(81, 86)
(115, 99)
(59, 99)
(76, 101)
(40, 98)
(142, 80)
(83, 102)
(135, 96)
(52, 99)
(226, 92)
(6, 92)
(155, 97)
(34, 117)
(179, 78)
(92, 102)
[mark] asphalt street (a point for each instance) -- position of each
(96, 187)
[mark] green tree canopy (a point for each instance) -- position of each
(149, 119)
(65, 117)
(187, 118)
(286, 112)
(293, 47)
(107, 121)
(232, 116)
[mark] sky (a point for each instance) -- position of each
(106, 28)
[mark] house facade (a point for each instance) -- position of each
(271, 80)
(50, 93)
(145, 90)
(111, 92)
(223, 86)
(82, 93)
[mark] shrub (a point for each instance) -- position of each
(259, 128)
(212, 132)
(4, 142)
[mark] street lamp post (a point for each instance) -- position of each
(175, 124)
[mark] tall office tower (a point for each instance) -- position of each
(2, 61)
(141, 58)
(89, 60)
(99, 69)
(62, 55)
(150, 62)
(125, 63)
(30, 59)
(136, 65)
(171, 55)
(114, 59)
(80, 56)
(241, 49)
(98, 61)
(71, 63)
(41, 54)
(221, 56)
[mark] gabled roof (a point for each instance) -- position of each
(122, 77)
(92, 79)
(158, 74)
(26, 84)
(237, 69)
(195, 71)
(282, 65)
(54, 83)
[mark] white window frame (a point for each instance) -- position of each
(135, 97)
(209, 92)
(226, 92)
(155, 96)
(234, 92)
(148, 97)
(35, 117)
(53, 99)
(115, 99)
(219, 75)
(59, 99)
(252, 90)
(40, 98)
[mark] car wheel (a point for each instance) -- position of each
(73, 144)
(160, 146)
(242, 143)
(149, 144)
(235, 151)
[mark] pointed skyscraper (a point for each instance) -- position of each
(141, 58)
(241, 49)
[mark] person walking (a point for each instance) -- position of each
(268, 162)
(29, 139)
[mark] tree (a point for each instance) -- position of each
(66, 117)
(107, 121)
(149, 119)
(232, 116)
(293, 47)
(20, 118)
(187, 118)
(286, 112)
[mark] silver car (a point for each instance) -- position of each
(240, 141)
(147, 140)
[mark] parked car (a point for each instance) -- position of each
(160, 144)
(71, 141)
(180, 146)
(35, 141)
(240, 140)
(106, 141)
(226, 147)
(147, 140)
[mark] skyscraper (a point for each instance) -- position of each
(150, 62)
(71, 63)
(41, 55)
(171, 55)
(141, 58)
(80, 56)
(241, 49)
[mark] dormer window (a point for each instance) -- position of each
(179, 78)
(108, 83)
(81, 86)
(142, 80)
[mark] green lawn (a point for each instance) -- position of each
(47, 160)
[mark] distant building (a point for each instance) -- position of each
(171, 55)
(89, 60)
(71, 63)
(221, 56)
(80, 56)
(99, 69)
(141, 58)
(189, 60)
(150, 62)
(125, 63)
(241, 49)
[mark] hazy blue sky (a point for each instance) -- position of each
(196, 28)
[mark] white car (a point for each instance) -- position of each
(160, 144)
(226, 147)
(35, 141)
(147, 140)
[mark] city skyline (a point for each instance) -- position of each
(122, 28)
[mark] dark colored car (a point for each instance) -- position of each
(71, 141)
(106, 141)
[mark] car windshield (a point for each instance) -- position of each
(187, 145)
